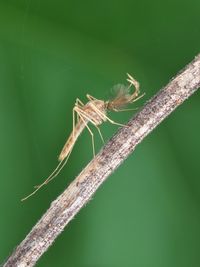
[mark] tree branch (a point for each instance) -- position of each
(79, 192)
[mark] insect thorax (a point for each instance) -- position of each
(96, 111)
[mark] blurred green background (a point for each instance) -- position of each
(148, 212)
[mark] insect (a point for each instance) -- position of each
(94, 112)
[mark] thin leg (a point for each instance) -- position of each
(91, 133)
(116, 123)
(77, 104)
(92, 121)
(78, 101)
(127, 109)
(51, 177)
(133, 82)
(100, 133)
(104, 117)
(77, 117)
(137, 98)
(73, 126)
(57, 169)
(64, 162)
(90, 97)
(83, 113)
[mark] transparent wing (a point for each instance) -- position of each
(120, 96)
(119, 90)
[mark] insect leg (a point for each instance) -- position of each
(53, 175)
(114, 122)
(133, 82)
(137, 98)
(65, 159)
(83, 118)
(126, 109)
(100, 133)
(73, 118)
(58, 168)
(90, 97)
(105, 117)
(78, 101)
(92, 121)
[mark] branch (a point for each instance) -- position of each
(79, 192)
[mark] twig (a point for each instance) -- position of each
(79, 192)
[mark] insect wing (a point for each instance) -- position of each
(121, 95)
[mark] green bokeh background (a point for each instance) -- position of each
(148, 212)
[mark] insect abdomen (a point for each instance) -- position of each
(71, 140)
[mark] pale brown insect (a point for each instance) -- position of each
(95, 112)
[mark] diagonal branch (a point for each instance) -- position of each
(79, 192)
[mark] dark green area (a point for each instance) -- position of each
(147, 214)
